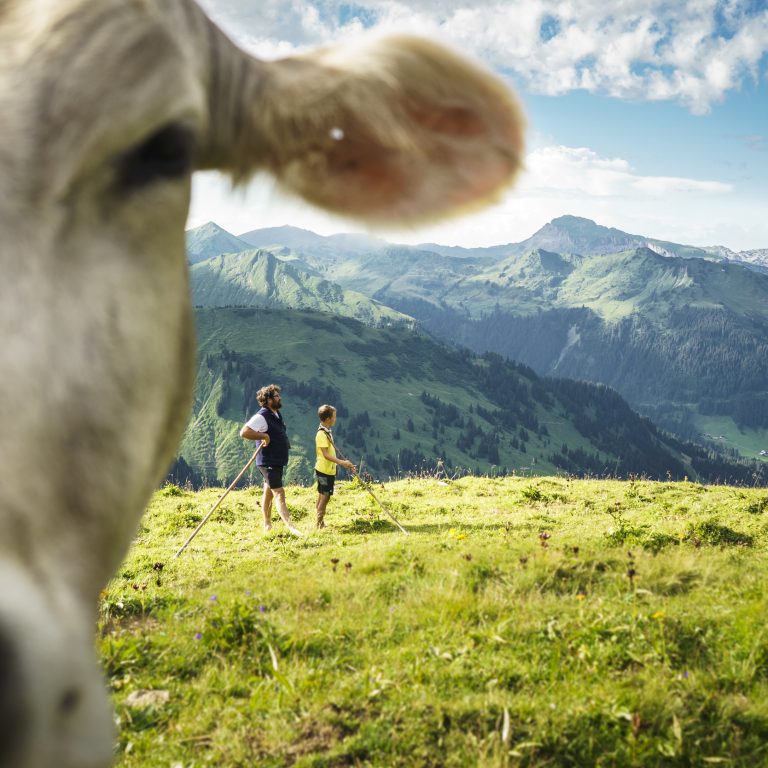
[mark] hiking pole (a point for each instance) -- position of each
(367, 487)
(375, 498)
(221, 498)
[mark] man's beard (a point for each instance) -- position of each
(278, 405)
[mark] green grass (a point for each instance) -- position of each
(524, 622)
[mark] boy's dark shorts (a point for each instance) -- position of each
(325, 483)
(273, 476)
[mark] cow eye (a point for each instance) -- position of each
(166, 155)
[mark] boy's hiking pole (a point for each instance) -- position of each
(368, 488)
(221, 498)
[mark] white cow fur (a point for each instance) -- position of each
(96, 350)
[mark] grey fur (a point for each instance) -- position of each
(97, 347)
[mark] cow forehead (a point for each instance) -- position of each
(91, 77)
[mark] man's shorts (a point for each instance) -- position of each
(325, 483)
(273, 476)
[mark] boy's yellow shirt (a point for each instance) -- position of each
(322, 440)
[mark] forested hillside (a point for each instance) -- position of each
(407, 404)
(681, 332)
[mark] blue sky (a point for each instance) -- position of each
(644, 115)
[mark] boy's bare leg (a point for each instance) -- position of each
(322, 504)
(266, 507)
(282, 510)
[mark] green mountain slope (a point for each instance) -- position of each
(405, 403)
(669, 333)
(258, 279)
(681, 338)
(400, 271)
(679, 331)
(612, 285)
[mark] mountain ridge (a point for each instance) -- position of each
(567, 228)
(258, 278)
(209, 240)
(680, 331)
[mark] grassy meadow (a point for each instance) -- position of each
(523, 622)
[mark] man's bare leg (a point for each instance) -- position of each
(266, 507)
(282, 510)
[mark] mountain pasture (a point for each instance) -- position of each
(525, 622)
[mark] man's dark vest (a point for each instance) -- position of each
(276, 453)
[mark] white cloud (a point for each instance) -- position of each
(581, 171)
(691, 52)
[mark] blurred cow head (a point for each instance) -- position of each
(106, 109)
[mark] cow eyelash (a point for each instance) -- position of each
(165, 155)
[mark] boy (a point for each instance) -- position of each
(325, 465)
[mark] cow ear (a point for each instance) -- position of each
(401, 131)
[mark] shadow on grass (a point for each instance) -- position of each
(384, 525)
